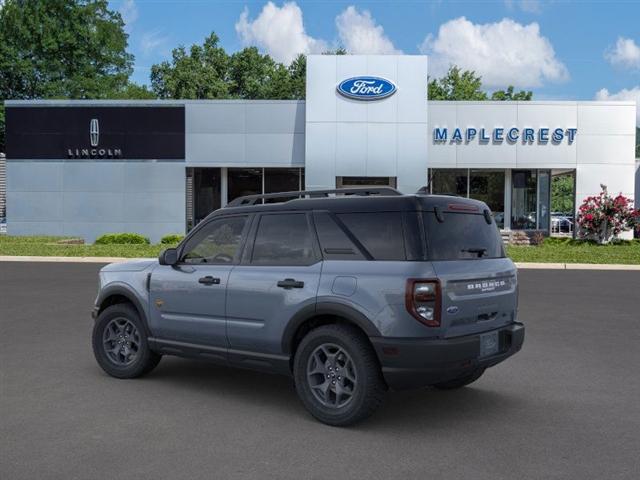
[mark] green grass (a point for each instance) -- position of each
(551, 251)
(47, 246)
(575, 251)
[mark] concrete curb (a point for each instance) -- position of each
(12, 258)
(524, 266)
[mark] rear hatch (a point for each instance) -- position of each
(478, 283)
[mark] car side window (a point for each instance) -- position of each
(381, 233)
(283, 239)
(217, 243)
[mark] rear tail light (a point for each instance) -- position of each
(423, 300)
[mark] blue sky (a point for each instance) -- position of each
(561, 50)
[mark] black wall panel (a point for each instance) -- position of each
(144, 132)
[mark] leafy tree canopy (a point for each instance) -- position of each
(458, 84)
(509, 95)
(562, 193)
(63, 49)
(207, 72)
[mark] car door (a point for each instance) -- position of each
(278, 276)
(187, 300)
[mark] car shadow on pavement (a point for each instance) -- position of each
(410, 410)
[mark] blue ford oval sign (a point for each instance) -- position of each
(366, 88)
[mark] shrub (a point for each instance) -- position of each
(171, 239)
(122, 238)
(537, 238)
(604, 217)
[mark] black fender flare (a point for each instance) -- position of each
(347, 312)
(124, 291)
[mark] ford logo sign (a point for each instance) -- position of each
(366, 88)
(452, 310)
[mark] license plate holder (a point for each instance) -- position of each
(489, 344)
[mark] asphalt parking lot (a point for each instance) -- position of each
(567, 406)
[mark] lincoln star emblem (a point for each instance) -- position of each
(94, 132)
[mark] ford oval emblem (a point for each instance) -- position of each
(366, 88)
(452, 310)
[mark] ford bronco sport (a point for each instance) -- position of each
(350, 292)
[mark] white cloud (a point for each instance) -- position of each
(528, 6)
(360, 34)
(626, 53)
(151, 41)
(504, 53)
(632, 94)
(129, 12)
(278, 31)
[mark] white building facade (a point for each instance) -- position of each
(84, 168)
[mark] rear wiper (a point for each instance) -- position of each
(479, 251)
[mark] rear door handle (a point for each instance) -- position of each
(290, 283)
(209, 280)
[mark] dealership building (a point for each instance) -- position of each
(84, 168)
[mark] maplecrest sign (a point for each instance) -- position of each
(510, 135)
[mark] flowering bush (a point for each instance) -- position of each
(604, 217)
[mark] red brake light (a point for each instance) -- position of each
(462, 207)
(423, 300)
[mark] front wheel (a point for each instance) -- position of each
(337, 375)
(120, 343)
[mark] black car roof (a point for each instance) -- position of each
(357, 204)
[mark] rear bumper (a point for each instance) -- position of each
(414, 363)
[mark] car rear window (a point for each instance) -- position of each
(462, 236)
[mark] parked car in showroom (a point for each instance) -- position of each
(350, 292)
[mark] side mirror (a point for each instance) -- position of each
(168, 256)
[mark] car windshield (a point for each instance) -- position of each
(462, 236)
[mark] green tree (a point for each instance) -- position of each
(562, 193)
(457, 85)
(61, 49)
(208, 72)
(256, 76)
(298, 74)
(510, 95)
(199, 74)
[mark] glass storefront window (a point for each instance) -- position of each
(524, 189)
(488, 187)
(350, 182)
(449, 181)
(206, 192)
(544, 199)
(281, 180)
(243, 181)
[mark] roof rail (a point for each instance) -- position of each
(363, 191)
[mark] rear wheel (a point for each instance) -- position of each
(337, 375)
(120, 343)
(460, 382)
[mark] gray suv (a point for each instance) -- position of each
(350, 292)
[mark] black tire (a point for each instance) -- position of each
(354, 353)
(460, 382)
(135, 355)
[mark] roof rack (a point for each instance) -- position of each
(364, 191)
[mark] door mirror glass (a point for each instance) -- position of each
(168, 257)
